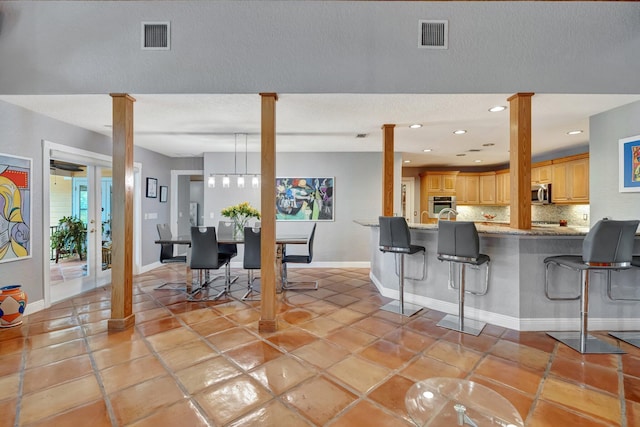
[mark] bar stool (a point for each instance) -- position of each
(630, 337)
(459, 244)
(608, 246)
(396, 238)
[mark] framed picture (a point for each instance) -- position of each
(629, 168)
(164, 191)
(15, 216)
(305, 199)
(152, 188)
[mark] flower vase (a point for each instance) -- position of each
(238, 228)
(13, 301)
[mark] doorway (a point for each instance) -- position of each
(78, 215)
(407, 198)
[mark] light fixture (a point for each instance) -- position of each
(459, 132)
(574, 132)
(415, 126)
(488, 144)
(427, 150)
(497, 108)
(241, 178)
(407, 161)
(478, 161)
(461, 155)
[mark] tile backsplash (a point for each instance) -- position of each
(576, 215)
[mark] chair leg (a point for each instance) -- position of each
(460, 323)
(581, 341)
(296, 286)
(400, 307)
(250, 288)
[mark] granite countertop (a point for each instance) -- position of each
(501, 228)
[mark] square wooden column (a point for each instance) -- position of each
(267, 321)
(387, 169)
(520, 159)
(122, 316)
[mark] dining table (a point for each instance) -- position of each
(282, 240)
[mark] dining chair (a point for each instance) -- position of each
(299, 259)
(167, 257)
(225, 232)
(205, 256)
(251, 262)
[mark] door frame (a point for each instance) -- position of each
(65, 152)
(173, 216)
(410, 182)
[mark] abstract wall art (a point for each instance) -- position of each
(305, 199)
(629, 167)
(15, 208)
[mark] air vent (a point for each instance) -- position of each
(156, 36)
(361, 135)
(434, 34)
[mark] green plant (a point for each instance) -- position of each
(70, 236)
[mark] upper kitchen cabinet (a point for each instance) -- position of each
(439, 182)
(541, 173)
(488, 188)
(468, 189)
(570, 179)
(503, 187)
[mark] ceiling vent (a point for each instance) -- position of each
(361, 135)
(156, 36)
(434, 34)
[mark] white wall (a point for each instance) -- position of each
(605, 130)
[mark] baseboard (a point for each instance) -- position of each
(573, 324)
(149, 267)
(34, 307)
(332, 264)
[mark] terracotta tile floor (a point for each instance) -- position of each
(336, 360)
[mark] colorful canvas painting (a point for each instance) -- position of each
(630, 164)
(304, 199)
(15, 208)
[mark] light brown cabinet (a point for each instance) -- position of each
(541, 174)
(440, 182)
(503, 187)
(467, 189)
(488, 188)
(570, 180)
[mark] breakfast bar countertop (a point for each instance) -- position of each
(490, 227)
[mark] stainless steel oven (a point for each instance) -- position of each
(540, 194)
(438, 203)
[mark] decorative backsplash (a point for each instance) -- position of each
(576, 215)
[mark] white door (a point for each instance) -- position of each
(408, 207)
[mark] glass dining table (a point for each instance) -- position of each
(281, 242)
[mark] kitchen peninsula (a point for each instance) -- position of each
(516, 296)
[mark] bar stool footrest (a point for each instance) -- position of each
(469, 326)
(593, 344)
(171, 286)
(630, 337)
(408, 309)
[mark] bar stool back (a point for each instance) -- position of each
(395, 238)
(607, 247)
(459, 244)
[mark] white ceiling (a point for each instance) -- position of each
(189, 125)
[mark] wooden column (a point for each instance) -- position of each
(267, 321)
(122, 316)
(387, 169)
(520, 159)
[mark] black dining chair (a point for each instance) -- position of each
(251, 262)
(205, 256)
(167, 257)
(299, 259)
(225, 232)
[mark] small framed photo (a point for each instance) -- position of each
(152, 188)
(164, 191)
(629, 167)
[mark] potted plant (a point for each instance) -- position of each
(69, 237)
(240, 214)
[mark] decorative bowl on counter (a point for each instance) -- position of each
(488, 217)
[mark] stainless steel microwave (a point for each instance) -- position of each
(438, 203)
(540, 194)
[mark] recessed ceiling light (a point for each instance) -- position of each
(488, 144)
(497, 108)
(474, 150)
(427, 150)
(574, 132)
(460, 132)
(461, 155)
(407, 161)
(416, 126)
(478, 161)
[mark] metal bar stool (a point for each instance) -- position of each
(396, 238)
(608, 246)
(630, 337)
(459, 244)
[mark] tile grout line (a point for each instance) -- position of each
(23, 364)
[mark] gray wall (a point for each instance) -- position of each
(319, 47)
(605, 130)
(358, 195)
